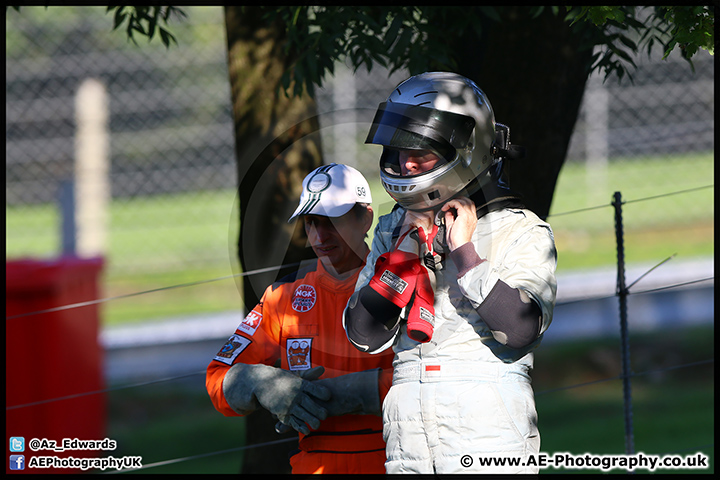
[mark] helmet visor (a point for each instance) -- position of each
(413, 127)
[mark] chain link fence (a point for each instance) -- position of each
(172, 164)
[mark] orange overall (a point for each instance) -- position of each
(299, 321)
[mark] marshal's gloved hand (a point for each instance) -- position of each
(290, 398)
(351, 394)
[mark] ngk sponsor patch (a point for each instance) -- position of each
(304, 298)
(251, 323)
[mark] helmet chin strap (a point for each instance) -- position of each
(492, 193)
(513, 152)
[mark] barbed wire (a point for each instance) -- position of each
(202, 372)
(654, 197)
(543, 392)
(621, 376)
(279, 267)
(263, 270)
(651, 290)
(287, 440)
(105, 390)
(140, 384)
(160, 289)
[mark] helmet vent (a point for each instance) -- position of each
(400, 188)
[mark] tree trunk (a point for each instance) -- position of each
(534, 73)
(277, 144)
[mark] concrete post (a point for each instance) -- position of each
(92, 186)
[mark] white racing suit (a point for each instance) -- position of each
(464, 395)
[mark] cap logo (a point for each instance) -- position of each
(319, 182)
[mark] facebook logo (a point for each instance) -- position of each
(17, 462)
(17, 444)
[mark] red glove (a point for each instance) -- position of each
(396, 272)
(421, 320)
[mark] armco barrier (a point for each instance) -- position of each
(53, 354)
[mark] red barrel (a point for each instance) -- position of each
(51, 355)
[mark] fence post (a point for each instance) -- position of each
(66, 198)
(622, 296)
(344, 96)
(92, 186)
(596, 139)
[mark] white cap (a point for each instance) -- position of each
(331, 191)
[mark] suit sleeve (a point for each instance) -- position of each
(526, 264)
(370, 320)
(255, 341)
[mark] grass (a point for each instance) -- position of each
(167, 240)
(598, 424)
(654, 229)
(673, 409)
(154, 243)
(218, 296)
(174, 421)
(580, 187)
(579, 249)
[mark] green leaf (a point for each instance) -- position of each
(138, 26)
(634, 23)
(153, 22)
(628, 43)
(167, 37)
(296, 15)
(119, 17)
(402, 43)
(491, 13)
(574, 14)
(392, 31)
(669, 48)
(312, 67)
(622, 54)
(536, 11)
